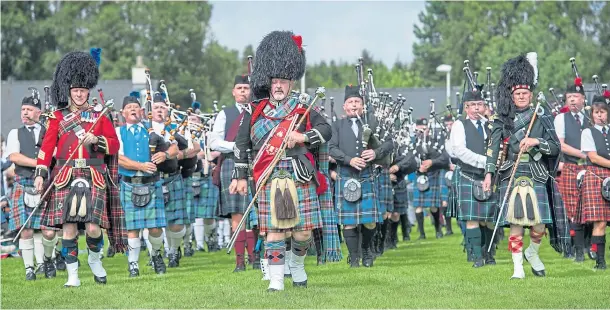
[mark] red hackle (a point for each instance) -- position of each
(607, 93)
(578, 81)
(298, 40)
(565, 109)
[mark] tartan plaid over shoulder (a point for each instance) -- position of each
(117, 232)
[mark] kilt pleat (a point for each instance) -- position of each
(593, 207)
(541, 194)
(401, 197)
(310, 216)
(150, 216)
(230, 203)
(452, 198)
(468, 208)
(53, 214)
(189, 200)
(430, 198)
(385, 191)
(445, 187)
(19, 211)
(568, 188)
(364, 211)
(175, 209)
(207, 202)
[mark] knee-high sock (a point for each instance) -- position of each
(155, 243)
(448, 226)
(420, 222)
(208, 231)
(240, 247)
(220, 231)
(135, 245)
(27, 252)
(404, 225)
(317, 237)
(600, 241)
(49, 246)
(297, 261)
(175, 239)
(38, 248)
(250, 241)
(276, 257)
(437, 220)
(474, 240)
(95, 246)
(488, 233)
(188, 231)
(198, 227)
(227, 230)
(394, 229)
(367, 237)
(351, 240)
(70, 250)
(166, 243)
(146, 236)
(579, 237)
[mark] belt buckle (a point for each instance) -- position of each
(80, 163)
(136, 180)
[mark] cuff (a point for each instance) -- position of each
(236, 152)
(314, 137)
(544, 146)
(490, 168)
(240, 172)
(41, 171)
(102, 145)
(347, 160)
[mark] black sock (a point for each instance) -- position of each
(437, 220)
(579, 238)
(367, 237)
(448, 224)
(601, 247)
(95, 244)
(420, 222)
(70, 250)
(351, 240)
(404, 225)
(394, 229)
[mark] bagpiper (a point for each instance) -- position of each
(84, 193)
(593, 208)
(22, 147)
(532, 202)
(293, 195)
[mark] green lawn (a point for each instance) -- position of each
(427, 274)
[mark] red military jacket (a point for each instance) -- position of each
(62, 138)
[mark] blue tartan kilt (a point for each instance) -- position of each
(189, 200)
(431, 198)
(468, 208)
(208, 199)
(175, 209)
(19, 211)
(444, 186)
(230, 203)
(149, 216)
(543, 205)
(364, 211)
(401, 197)
(384, 190)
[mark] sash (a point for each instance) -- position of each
(230, 137)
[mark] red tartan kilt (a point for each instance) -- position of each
(594, 207)
(53, 214)
(569, 190)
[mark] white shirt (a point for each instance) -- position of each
(130, 127)
(12, 141)
(560, 123)
(587, 144)
(457, 140)
(217, 135)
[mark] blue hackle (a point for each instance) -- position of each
(96, 53)
(257, 248)
(135, 93)
(196, 105)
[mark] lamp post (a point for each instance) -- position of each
(444, 68)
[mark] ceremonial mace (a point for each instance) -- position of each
(107, 106)
(320, 94)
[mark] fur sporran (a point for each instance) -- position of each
(31, 198)
(523, 203)
(141, 195)
(284, 202)
(196, 188)
(79, 198)
(352, 190)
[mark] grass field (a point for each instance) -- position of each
(419, 274)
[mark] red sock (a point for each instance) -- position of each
(515, 244)
(250, 243)
(240, 247)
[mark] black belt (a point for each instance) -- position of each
(141, 180)
(170, 175)
(81, 162)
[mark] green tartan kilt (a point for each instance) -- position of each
(149, 216)
(175, 208)
(364, 211)
(19, 211)
(468, 208)
(208, 199)
(189, 200)
(544, 209)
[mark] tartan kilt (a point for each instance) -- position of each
(452, 202)
(175, 209)
(207, 201)
(431, 198)
(401, 197)
(189, 202)
(445, 187)
(364, 211)
(19, 212)
(149, 216)
(230, 203)
(53, 214)
(384, 190)
(544, 208)
(593, 207)
(566, 183)
(310, 216)
(468, 208)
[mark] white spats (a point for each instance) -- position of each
(531, 254)
(27, 251)
(175, 239)
(220, 232)
(518, 272)
(38, 248)
(297, 267)
(265, 269)
(95, 263)
(134, 250)
(276, 277)
(286, 266)
(187, 234)
(73, 280)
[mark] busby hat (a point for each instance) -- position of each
(520, 72)
(132, 98)
(31, 101)
(74, 70)
(603, 98)
(241, 79)
(352, 91)
(575, 87)
(279, 55)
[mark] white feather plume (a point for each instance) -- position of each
(532, 58)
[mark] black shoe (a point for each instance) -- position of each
(439, 235)
(49, 268)
(30, 275)
(99, 280)
(39, 270)
(353, 261)
(478, 263)
(110, 253)
(449, 232)
(300, 284)
(60, 261)
(240, 267)
(174, 260)
(367, 258)
(540, 273)
(580, 256)
(490, 260)
(188, 250)
(406, 238)
(600, 266)
(133, 270)
(158, 263)
(179, 253)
